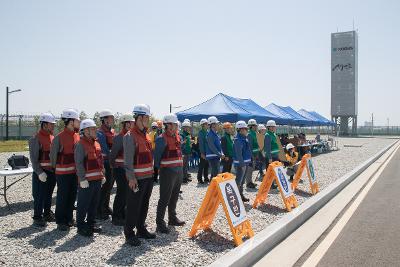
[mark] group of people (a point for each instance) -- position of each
(85, 161)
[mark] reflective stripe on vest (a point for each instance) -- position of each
(65, 158)
(92, 174)
(45, 139)
(93, 159)
(172, 156)
(143, 159)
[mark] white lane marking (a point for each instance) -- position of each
(323, 247)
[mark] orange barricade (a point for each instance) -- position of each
(276, 172)
(223, 189)
(306, 163)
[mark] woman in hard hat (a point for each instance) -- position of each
(292, 158)
(105, 135)
(227, 147)
(43, 178)
(90, 172)
(62, 159)
(116, 159)
(241, 155)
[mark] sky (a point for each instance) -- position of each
(92, 55)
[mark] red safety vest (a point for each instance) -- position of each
(45, 140)
(93, 159)
(119, 161)
(109, 133)
(65, 158)
(172, 156)
(143, 159)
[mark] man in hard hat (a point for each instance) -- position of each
(292, 157)
(252, 136)
(138, 163)
(116, 159)
(186, 141)
(241, 155)
(214, 150)
(43, 178)
(90, 172)
(227, 147)
(203, 164)
(271, 147)
(153, 135)
(260, 164)
(62, 159)
(168, 158)
(105, 135)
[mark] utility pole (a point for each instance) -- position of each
(7, 94)
(372, 123)
(170, 108)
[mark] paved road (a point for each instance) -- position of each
(372, 235)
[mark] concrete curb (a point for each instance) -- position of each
(253, 249)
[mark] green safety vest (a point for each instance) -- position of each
(274, 143)
(254, 144)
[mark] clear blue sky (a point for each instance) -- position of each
(112, 54)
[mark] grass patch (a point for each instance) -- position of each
(14, 146)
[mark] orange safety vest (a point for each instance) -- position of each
(93, 159)
(172, 156)
(45, 140)
(109, 133)
(65, 158)
(119, 161)
(143, 159)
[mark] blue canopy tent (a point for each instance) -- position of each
(322, 118)
(314, 120)
(279, 111)
(226, 109)
(299, 120)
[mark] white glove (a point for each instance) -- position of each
(103, 181)
(84, 184)
(43, 177)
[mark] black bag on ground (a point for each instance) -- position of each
(18, 162)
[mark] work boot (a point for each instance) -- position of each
(244, 199)
(185, 181)
(133, 241)
(144, 233)
(72, 223)
(118, 221)
(251, 185)
(96, 229)
(108, 211)
(200, 181)
(274, 186)
(85, 231)
(206, 180)
(175, 222)
(162, 228)
(62, 227)
(49, 217)
(39, 222)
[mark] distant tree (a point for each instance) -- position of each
(83, 115)
(96, 118)
(36, 121)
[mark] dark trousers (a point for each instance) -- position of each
(137, 205)
(227, 165)
(67, 185)
(42, 194)
(241, 172)
(170, 185)
(120, 196)
(214, 164)
(104, 203)
(155, 175)
(203, 169)
(185, 166)
(88, 200)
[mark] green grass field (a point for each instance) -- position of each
(14, 146)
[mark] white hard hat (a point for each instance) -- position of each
(186, 120)
(186, 124)
(126, 117)
(289, 146)
(87, 123)
(261, 127)
(252, 122)
(154, 124)
(47, 117)
(141, 109)
(202, 121)
(241, 125)
(170, 118)
(212, 120)
(70, 114)
(106, 113)
(271, 123)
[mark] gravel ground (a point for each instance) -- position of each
(24, 245)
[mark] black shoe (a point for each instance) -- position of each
(118, 221)
(62, 227)
(185, 181)
(189, 179)
(200, 181)
(108, 211)
(274, 186)
(72, 223)
(84, 231)
(133, 241)
(156, 181)
(189, 175)
(251, 185)
(39, 222)
(176, 222)
(206, 180)
(244, 199)
(145, 234)
(291, 179)
(162, 228)
(49, 217)
(96, 229)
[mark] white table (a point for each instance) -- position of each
(9, 172)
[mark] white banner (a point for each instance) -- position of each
(233, 202)
(283, 181)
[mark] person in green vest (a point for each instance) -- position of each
(252, 137)
(271, 147)
(227, 147)
(186, 147)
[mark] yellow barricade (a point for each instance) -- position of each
(223, 189)
(306, 163)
